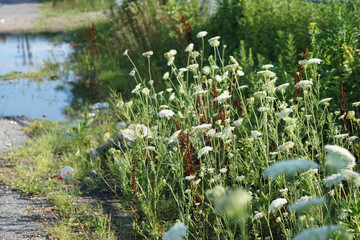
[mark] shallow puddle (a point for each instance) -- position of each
(35, 99)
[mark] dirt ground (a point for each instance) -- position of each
(19, 16)
(19, 216)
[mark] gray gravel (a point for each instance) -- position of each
(17, 214)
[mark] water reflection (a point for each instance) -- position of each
(27, 53)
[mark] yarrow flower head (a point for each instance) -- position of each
(303, 84)
(286, 146)
(276, 204)
(204, 150)
(189, 48)
(255, 134)
(338, 157)
(305, 202)
(324, 101)
(320, 233)
(267, 66)
(148, 53)
(341, 136)
(165, 113)
(286, 112)
(351, 176)
(260, 94)
(214, 42)
(238, 122)
(176, 232)
(282, 87)
(258, 215)
(267, 73)
(201, 34)
(333, 180)
(289, 167)
(225, 95)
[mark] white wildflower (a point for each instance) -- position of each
(225, 95)
(263, 109)
(351, 176)
(238, 122)
(267, 73)
(170, 61)
(243, 87)
(276, 204)
(282, 87)
(193, 67)
(320, 233)
(339, 157)
(255, 134)
(148, 53)
(190, 177)
(174, 136)
(204, 150)
(286, 146)
(201, 128)
(145, 91)
(258, 215)
(165, 113)
(240, 73)
(239, 178)
(211, 170)
(267, 66)
(151, 148)
(200, 92)
(355, 104)
(260, 94)
(132, 73)
(227, 132)
(309, 173)
(136, 89)
(324, 101)
(341, 136)
(128, 135)
(206, 70)
(284, 191)
(286, 112)
(189, 48)
(303, 203)
(211, 132)
(128, 104)
(303, 84)
(223, 170)
(166, 75)
(352, 138)
(173, 52)
(201, 34)
(289, 167)
(213, 39)
(314, 60)
(333, 180)
(126, 52)
(176, 232)
(218, 78)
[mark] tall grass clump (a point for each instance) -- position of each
(227, 162)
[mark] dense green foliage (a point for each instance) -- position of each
(207, 130)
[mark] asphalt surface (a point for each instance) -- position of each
(18, 15)
(18, 219)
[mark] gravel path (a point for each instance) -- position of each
(17, 214)
(19, 16)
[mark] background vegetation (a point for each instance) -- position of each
(161, 172)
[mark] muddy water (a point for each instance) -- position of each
(46, 99)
